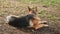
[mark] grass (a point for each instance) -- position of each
(15, 7)
(7, 6)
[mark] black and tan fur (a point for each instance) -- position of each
(29, 20)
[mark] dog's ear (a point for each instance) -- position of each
(30, 10)
(35, 11)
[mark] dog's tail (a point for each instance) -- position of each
(11, 18)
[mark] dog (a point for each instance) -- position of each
(31, 20)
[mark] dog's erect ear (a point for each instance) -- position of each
(29, 8)
(35, 10)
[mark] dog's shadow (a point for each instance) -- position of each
(42, 30)
(27, 30)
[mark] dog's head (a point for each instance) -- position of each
(32, 11)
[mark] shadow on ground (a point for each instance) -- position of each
(44, 30)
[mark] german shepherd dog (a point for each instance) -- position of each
(31, 20)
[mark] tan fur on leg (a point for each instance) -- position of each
(40, 26)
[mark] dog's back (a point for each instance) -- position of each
(19, 21)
